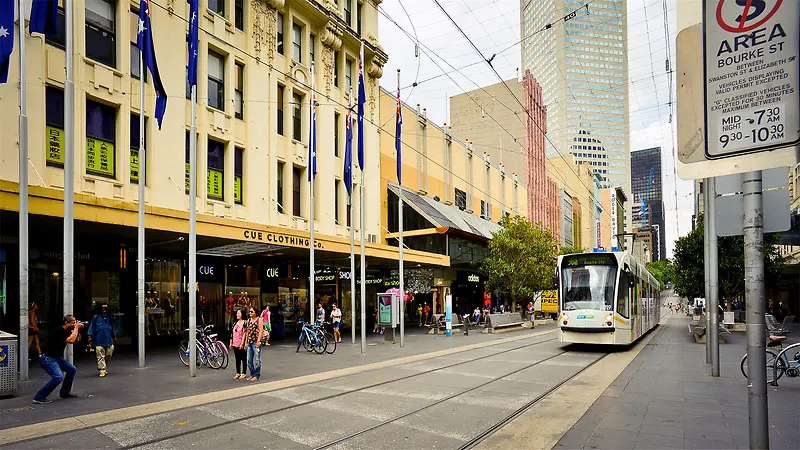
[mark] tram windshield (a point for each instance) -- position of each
(588, 282)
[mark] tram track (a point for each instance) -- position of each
(337, 395)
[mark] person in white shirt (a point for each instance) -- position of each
(336, 318)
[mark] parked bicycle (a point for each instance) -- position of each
(315, 338)
(210, 350)
(787, 363)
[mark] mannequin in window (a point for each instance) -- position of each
(168, 305)
(151, 302)
(232, 303)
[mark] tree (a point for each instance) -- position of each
(568, 250)
(522, 259)
(662, 270)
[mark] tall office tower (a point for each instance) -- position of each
(582, 66)
(648, 198)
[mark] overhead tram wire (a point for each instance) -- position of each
(308, 86)
(668, 67)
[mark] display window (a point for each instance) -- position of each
(164, 312)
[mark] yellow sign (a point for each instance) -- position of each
(214, 184)
(237, 189)
(55, 146)
(99, 157)
(135, 165)
(277, 238)
(550, 301)
(187, 172)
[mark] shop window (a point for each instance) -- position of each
(136, 71)
(215, 173)
(134, 157)
(336, 56)
(281, 90)
(59, 39)
(101, 29)
(218, 6)
(216, 81)
(279, 195)
(297, 179)
(238, 101)
(238, 155)
(297, 43)
(348, 74)
(279, 40)
(297, 117)
(101, 130)
(461, 199)
(336, 120)
(55, 126)
(311, 44)
(238, 6)
(188, 86)
(336, 194)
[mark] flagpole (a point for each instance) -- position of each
(140, 231)
(311, 164)
(400, 218)
(361, 201)
(193, 237)
(69, 168)
(352, 223)
(23, 202)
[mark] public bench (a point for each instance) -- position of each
(698, 331)
(503, 321)
(456, 322)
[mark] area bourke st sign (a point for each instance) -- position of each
(752, 75)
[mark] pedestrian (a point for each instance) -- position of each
(239, 344)
(427, 312)
(419, 314)
(255, 332)
(375, 320)
(476, 315)
(53, 362)
(266, 318)
(102, 335)
(336, 318)
(33, 331)
(320, 314)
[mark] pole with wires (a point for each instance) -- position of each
(68, 278)
(23, 203)
(312, 168)
(140, 231)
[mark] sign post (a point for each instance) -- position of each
(448, 315)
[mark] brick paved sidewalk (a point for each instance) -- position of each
(666, 398)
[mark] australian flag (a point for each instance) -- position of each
(193, 42)
(144, 41)
(44, 17)
(6, 37)
(312, 140)
(348, 150)
(361, 99)
(397, 128)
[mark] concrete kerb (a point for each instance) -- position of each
(38, 430)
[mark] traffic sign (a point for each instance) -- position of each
(752, 76)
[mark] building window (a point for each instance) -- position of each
(55, 126)
(348, 74)
(297, 178)
(216, 81)
(134, 158)
(311, 44)
(215, 179)
(358, 18)
(101, 133)
(218, 6)
(483, 209)
(280, 34)
(281, 168)
(336, 189)
(101, 28)
(297, 43)
(336, 119)
(336, 56)
(238, 10)
(348, 8)
(238, 155)
(280, 110)
(461, 199)
(297, 117)
(135, 69)
(238, 101)
(59, 39)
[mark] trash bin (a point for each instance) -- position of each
(8, 364)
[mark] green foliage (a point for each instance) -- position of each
(688, 267)
(662, 270)
(570, 250)
(522, 259)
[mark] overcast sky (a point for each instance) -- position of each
(448, 65)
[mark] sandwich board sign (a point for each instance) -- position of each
(752, 76)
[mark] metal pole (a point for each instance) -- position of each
(23, 202)
(754, 299)
(352, 226)
(193, 237)
(402, 290)
(69, 169)
(706, 261)
(363, 270)
(311, 165)
(712, 334)
(140, 237)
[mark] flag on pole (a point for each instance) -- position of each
(361, 99)
(397, 128)
(193, 43)
(144, 41)
(6, 37)
(348, 148)
(312, 139)
(44, 17)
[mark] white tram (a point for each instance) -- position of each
(605, 298)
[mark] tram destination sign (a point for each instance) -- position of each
(751, 75)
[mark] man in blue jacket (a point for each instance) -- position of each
(101, 334)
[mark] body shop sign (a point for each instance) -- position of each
(751, 74)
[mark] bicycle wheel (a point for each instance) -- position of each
(213, 357)
(320, 342)
(183, 352)
(222, 350)
(775, 367)
(300, 340)
(308, 343)
(331, 347)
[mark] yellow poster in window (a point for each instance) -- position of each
(55, 146)
(99, 157)
(237, 189)
(214, 184)
(134, 165)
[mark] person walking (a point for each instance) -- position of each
(238, 344)
(102, 335)
(419, 314)
(53, 362)
(255, 332)
(336, 318)
(266, 318)
(33, 331)
(320, 314)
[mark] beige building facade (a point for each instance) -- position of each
(581, 184)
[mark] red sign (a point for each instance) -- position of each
(741, 16)
(599, 240)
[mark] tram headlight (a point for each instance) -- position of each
(564, 318)
(609, 320)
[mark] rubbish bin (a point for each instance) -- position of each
(8, 364)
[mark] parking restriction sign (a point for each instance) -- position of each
(751, 75)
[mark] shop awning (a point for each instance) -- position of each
(446, 216)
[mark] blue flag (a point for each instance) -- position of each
(397, 128)
(144, 41)
(6, 37)
(361, 99)
(44, 17)
(348, 151)
(193, 42)
(312, 140)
